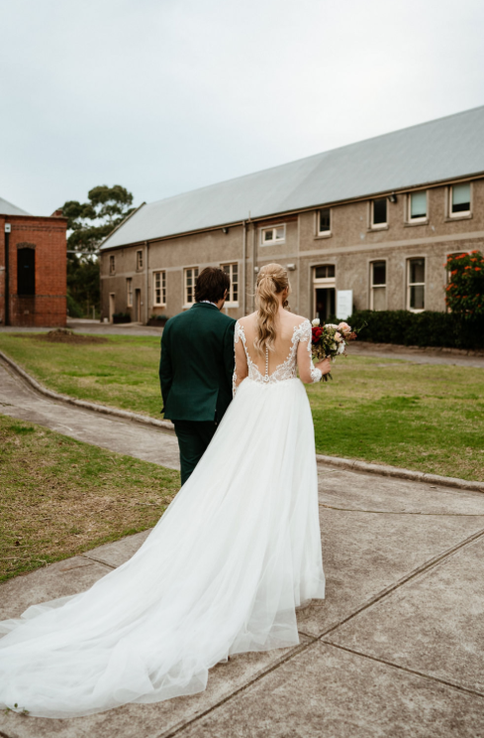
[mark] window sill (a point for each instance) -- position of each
(231, 305)
(274, 243)
(187, 305)
(160, 305)
(376, 228)
(327, 234)
(416, 310)
(416, 222)
(458, 216)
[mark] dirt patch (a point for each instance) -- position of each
(64, 335)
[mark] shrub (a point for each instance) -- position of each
(465, 291)
(429, 328)
(121, 318)
(74, 310)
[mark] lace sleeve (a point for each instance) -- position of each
(241, 369)
(307, 371)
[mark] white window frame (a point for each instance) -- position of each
(416, 284)
(139, 260)
(231, 301)
(461, 213)
(377, 226)
(273, 239)
(129, 292)
(187, 304)
(112, 264)
(422, 218)
(324, 234)
(162, 288)
(377, 286)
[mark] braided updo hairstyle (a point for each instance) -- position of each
(271, 281)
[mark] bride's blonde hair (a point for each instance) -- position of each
(271, 281)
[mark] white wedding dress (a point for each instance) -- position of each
(221, 573)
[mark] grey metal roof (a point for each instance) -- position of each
(6, 208)
(439, 150)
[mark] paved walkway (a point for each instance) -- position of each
(396, 649)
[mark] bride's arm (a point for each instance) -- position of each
(308, 373)
(241, 368)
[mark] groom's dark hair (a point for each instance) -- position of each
(211, 284)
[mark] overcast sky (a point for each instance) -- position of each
(163, 96)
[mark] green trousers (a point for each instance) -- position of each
(193, 440)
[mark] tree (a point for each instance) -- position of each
(89, 223)
(465, 291)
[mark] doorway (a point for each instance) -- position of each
(325, 300)
(137, 302)
(324, 292)
(112, 306)
(26, 271)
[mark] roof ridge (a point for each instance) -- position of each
(314, 156)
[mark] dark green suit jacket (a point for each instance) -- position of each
(197, 363)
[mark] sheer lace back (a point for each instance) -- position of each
(283, 371)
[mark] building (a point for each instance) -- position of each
(376, 218)
(33, 267)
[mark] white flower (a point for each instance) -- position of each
(338, 337)
(334, 347)
(341, 348)
(316, 322)
(330, 325)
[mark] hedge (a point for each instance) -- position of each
(418, 329)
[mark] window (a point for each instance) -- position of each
(271, 235)
(159, 288)
(460, 199)
(129, 292)
(378, 285)
(112, 264)
(324, 221)
(416, 285)
(417, 206)
(233, 271)
(324, 272)
(191, 276)
(379, 213)
(139, 260)
(26, 271)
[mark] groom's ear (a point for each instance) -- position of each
(225, 294)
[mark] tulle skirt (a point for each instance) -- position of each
(221, 573)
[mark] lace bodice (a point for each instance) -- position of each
(286, 370)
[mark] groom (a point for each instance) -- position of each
(196, 367)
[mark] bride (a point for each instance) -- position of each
(223, 570)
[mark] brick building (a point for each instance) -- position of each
(33, 266)
(374, 220)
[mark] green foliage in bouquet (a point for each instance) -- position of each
(465, 291)
(429, 328)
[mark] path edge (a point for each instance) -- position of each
(85, 404)
(334, 461)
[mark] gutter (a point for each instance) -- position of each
(279, 215)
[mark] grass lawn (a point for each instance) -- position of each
(60, 497)
(424, 417)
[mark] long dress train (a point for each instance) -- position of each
(221, 573)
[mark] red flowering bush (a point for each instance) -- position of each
(465, 291)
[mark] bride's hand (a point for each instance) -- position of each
(324, 366)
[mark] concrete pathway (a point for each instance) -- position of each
(396, 649)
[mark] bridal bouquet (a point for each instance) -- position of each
(330, 340)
